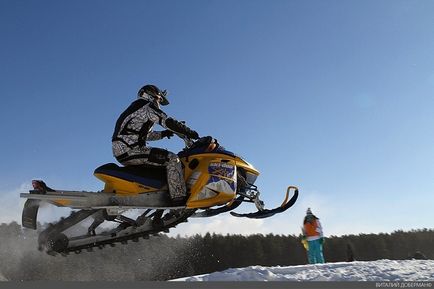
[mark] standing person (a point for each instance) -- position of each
(134, 128)
(312, 232)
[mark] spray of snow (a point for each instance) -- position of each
(11, 204)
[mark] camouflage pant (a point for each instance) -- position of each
(157, 157)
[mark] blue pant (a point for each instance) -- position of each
(314, 252)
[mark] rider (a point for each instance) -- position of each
(134, 128)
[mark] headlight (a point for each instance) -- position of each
(250, 178)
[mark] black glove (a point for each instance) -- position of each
(193, 134)
(167, 133)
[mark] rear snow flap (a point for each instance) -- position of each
(31, 206)
(30, 213)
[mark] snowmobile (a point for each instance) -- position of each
(217, 181)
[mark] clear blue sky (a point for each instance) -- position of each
(336, 97)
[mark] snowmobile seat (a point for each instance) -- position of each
(154, 176)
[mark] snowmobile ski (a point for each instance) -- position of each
(265, 213)
(222, 209)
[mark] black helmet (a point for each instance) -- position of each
(151, 92)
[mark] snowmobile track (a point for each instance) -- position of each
(53, 241)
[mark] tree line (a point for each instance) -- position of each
(163, 258)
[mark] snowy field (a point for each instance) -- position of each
(381, 270)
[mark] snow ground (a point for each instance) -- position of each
(380, 270)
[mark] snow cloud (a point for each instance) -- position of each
(223, 224)
(11, 204)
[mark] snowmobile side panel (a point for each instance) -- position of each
(131, 180)
(211, 179)
(123, 187)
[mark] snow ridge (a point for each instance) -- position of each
(380, 270)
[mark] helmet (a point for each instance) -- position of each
(152, 93)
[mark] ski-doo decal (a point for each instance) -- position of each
(222, 175)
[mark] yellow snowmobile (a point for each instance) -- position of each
(217, 181)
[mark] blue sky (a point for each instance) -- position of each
(335, 97)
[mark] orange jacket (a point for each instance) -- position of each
(312, 230)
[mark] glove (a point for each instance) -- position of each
(167, 133)
(305, 243)
(181, 128)
(193, 134)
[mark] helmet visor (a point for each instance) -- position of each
(163, 98)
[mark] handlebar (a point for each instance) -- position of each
(192, 143)
(188, 142)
